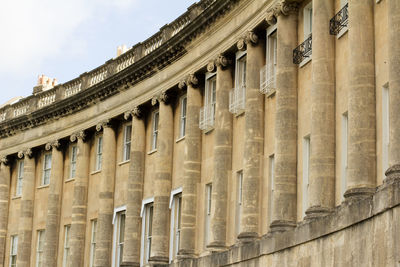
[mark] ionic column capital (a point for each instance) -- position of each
(4, 160)
(221, 61)
(284, 7)
(136, 111)
(27, 153)
(103, 124)
(249, 38)
(77, 135)
(191, 80)
(164, 97)
(53, 144)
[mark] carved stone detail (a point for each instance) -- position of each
(222, 61)
(78, 135)
(271, 18)
(52, 144)
(103, 124)
(136, 111)
(25, 153)
(4, 160)
(241, 44)
(182, 84)
(154, 100)
(251, 38)
(211, 66)
(164, 97)
(191, 80)
(287, 8)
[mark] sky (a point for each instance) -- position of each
(64, 38)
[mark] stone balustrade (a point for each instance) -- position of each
(46, 99)
(72, 88)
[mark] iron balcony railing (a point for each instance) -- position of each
(339, 21)
(206, 118)
(237, 99)
(268, 78)
(303, 51)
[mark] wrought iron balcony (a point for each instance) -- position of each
(303, 51)
(339, 21)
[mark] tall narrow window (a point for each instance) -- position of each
(237, 96)
(74, 151)
(307, 20)
(271, 177)
(20, 178)
(39, 248)
(208, 213)
(182, 128)
(268, 72)
(343, 168)
(99, 152)
(147, 231)
(93, 242)
(385, 129)
(119, 238)
(46, 169)
(155, 130)
(13, 251)
(239, 177)
(207, 112)
(175, 231)
(306, 168)
(67, 229)
(127, 142)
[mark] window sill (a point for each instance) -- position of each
(180, 139)
(208, 130)
(70, 180)
(43, 186)
(271, 93)
(95, 172)
(152, 151)
(305, 61)
(342, 32)
(16, 197)
(238, 114)
(124, 162)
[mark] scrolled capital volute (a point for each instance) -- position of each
(164, 97)
(154, 100)
(251, 38)
(222, 61)
(271, 17)
(137, 112)
(77, 135)
(211, 66)
(127, 114)
(103, 124)
(287, 8)
(241, 44)
(4, 160)
(53, 144)
(192, 80)
(25, 153)
(182, 84)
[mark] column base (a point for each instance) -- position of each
(281, 226)
(246, 237)
(317, 212)
(358, 193)
(130, 264)
(216, 246)
(158, 261)
(392, 174)
(184, 254)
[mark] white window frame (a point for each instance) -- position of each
(99, 153)
(306, 171)
(74, 155)
(67, 247)
(268, 72)
(237, 96)
(93, 235)
(118, 245)
(271, 176)
(208, 206)
(40, 248)
(46, 169)
(155, 118)
(13, 250)
(175, 204)
(239, 200)
(307, 13)
(182, 124)
(127, 142)
(344, 147)
(20, 178)
(207, 112)
(385, 128)
(147, 205)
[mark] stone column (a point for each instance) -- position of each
(394, 90)
(192, 168)
(27, 208)
(285, 183)
(131, 255)
(222, 153)
(253, 139)
(106, 197)
(5, 176)
(79, 202)
(162, 184)
(321, 192)
(53, 204)
(361, 177)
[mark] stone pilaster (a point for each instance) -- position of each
(5, 176)
(285, 182)
(27, 208)
(253, 140)
(362, 133)
(79, 202)
(106, 197)
(222, 154)
(162, 184)
(53, 204)
(192, 168)
(321, 193)
(393, 172)
(133, 220)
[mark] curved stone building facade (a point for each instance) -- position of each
(244, 133)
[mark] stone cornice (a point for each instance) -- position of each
(113, 77)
